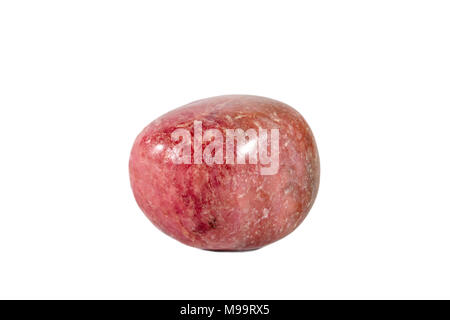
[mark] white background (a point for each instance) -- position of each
(80, 79)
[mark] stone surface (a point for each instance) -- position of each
(209, 200)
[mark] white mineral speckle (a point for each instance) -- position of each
(288, 189)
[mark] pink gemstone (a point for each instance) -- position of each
(226, 173)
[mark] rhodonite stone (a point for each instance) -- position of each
(226, 173)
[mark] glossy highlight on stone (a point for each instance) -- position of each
(202, 182)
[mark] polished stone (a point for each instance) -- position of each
(226, 173)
